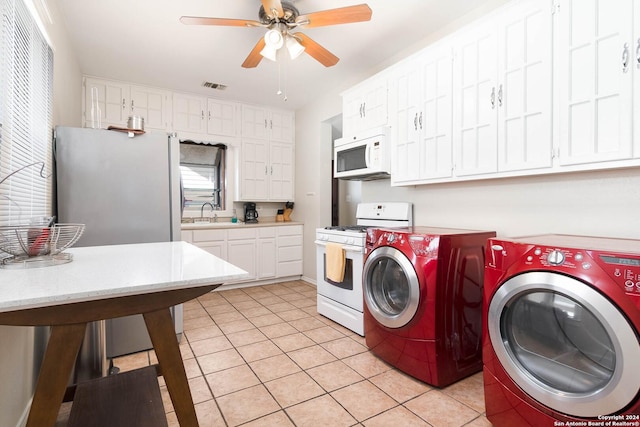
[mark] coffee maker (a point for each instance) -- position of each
(250, 213)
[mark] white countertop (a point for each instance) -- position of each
(100, 272)
(227, 224)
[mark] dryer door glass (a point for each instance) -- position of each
(564, 343)
(390, 287)
(558, 341)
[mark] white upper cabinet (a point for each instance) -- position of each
(525, 89)
(116, 101)
(189, 113)
(263, 123)
(151, 104)
(254, 170)
(475, 116)
(266, 164)
(597, 56)
(221, 117)
(365, 106)
(503, 91)
(105, 100)
(420, 106)
(281, 171)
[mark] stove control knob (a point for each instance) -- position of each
(555, 257)
(391, 238)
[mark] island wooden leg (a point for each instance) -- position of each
(59, 358)
(163, 337)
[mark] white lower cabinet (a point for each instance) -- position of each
(212, 241)
(289, 251)
(266, 253)
(241, 249)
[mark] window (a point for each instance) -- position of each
(202, 168)
(26, 88)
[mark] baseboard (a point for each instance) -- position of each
(309, 280)
(22, 422)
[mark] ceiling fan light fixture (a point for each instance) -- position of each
(269, 53)
(274, 39)
(294, 47)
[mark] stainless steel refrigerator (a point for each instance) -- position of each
(126, 190)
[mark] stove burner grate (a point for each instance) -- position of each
(357, 228)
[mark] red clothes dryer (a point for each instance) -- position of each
(562, 316)
(423, 300)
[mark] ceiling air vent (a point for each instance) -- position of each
(211, 85)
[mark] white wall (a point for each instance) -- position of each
(313, 172)
(18, 354)
(603, 203)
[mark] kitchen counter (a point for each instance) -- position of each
(104, 282)
(227, 224)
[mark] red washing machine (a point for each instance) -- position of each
(423, 300)
(561, 323)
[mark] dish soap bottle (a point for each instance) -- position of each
(234, 218)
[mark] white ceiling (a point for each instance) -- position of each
(142, 41)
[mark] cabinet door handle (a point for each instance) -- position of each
(492, 98)
(271, 170)
(265, 169)
(270, 124)
(638, 55)
(360, 110)
(132, 105)
(625, 58)
(124, 104)
(265, 126)
(415, 122)
(202, 114)
(500, 96)
(209, 115)
(364, 109)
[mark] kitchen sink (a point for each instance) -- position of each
(209, 223)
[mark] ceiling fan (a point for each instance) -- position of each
(280, 17)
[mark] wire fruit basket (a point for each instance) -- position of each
(38, 245)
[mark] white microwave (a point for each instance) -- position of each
(362, 158)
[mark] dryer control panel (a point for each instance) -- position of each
(624, 270)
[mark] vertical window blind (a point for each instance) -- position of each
(26, 92)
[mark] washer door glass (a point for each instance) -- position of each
(564, 344)
(391, 287)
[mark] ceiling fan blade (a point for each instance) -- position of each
(270, 5)
(254, 57)
(318, 52)
(199, 20)
(343, 15)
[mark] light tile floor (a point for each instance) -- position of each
(263, 356)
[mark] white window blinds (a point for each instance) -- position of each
(26, 91)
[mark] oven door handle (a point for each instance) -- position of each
(348, 248)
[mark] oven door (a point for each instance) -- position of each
(349, 291)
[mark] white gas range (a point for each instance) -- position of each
(342, 301)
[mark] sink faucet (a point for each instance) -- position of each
(202, 208)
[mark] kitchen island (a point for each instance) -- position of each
(104, 282)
